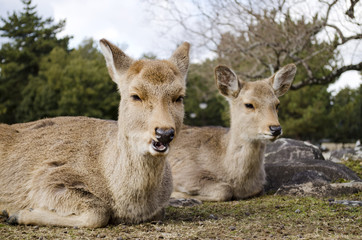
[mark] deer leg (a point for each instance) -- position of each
(209, 191)
(63, 205)
(42, 217)
(179, 195)
(215, 192)
(252, 194)
(159, 216)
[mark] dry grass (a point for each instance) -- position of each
(266, 217)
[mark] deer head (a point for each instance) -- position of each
(151, 108)
(254, 105)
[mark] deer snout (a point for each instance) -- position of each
(165, 136)
(275, 130)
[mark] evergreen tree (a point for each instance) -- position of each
(346, 116)
(204, 105)
(75, 84)
(30, 37)
(303, 114)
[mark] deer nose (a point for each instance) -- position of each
(275, 130)
(165, 136)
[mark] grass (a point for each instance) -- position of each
(266, 217)
(355, 165)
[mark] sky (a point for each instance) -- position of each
(121, 22)
(125, 23)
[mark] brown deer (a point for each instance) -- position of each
(220, 164)
(86, 172)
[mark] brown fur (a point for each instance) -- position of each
(220, 164)
(85, 172)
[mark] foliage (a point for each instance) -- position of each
(264, 59)
(303, 114)
(75, 83)
(267, 34)
(311, 113)
(30, 37)
(346, 115)
(203, 103)
(40, 77)
(355, 165)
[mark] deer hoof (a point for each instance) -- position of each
(5, 214)
(182, 202)
(13, 219)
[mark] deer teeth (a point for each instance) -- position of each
(158, 146)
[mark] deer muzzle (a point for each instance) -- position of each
(275, 130)
(164, 137)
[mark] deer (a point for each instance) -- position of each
(88, 172)
(222, 164)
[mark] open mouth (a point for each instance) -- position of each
(269, 137)
(159, 147)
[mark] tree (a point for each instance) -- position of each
(303, 114)
(346, 115)
(30, 37)
(203, 103)
(256, 38)
(75, 83)
(265, 35)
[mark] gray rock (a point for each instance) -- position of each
(232, 228)
(182, 202)
(342, 154)
(320, 189)
(347, 153)
(214, 217)
(302, 171)
(287, 150)
(291, 162)
(309, 176)
(347, 203)
(358, 147)
(101, 235)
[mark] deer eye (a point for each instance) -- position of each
(180, 99)
(249, 105)
(136, 98)
(277, 107)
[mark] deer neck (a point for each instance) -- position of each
(243, 157)
(133, 176)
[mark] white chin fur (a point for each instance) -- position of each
(267, 137)
(153, 152)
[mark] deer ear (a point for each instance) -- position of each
(282, 80)
(117, 61)
(181, 58)
(227, 82)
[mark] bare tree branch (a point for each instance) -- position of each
(342, 37)
(256, 38)
(350, 11)
(328, 78)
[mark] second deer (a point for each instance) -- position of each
(220, 164)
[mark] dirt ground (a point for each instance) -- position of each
(265, 217)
